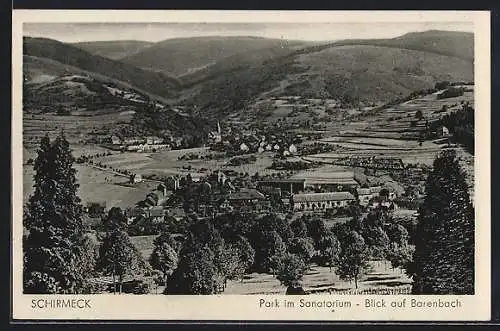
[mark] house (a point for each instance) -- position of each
(443, 132)
(157, 213)
(286, 185)
(246, 195)
(115, 140)
(364, 196)
(244, 147)
(154, 141)
(383, 202)
(132, 213)
(321, 201)
(247, 198)
(135, 178)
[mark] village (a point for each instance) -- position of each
(362, 161)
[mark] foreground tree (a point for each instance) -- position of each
(246, 257)
(202, 266)
(353, 261)
(400, 255)
(330, 251)
(292, 271)
(164, 258)
(444, 241)
(269, 254)
(303, 248)
(118, 257)
(195, 274)
(53, 260)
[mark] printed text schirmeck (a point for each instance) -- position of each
(61, 303)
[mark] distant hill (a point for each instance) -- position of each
(450, 43)
(80, 94)
(353, 71)
(181, 56)
(114, 50)
(155, 83)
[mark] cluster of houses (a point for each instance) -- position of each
(373, 162)
(251, 141)
(216, 193)
(138, 144)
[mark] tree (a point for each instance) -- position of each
(419, 115)
(329, 251)
(274, 222)
(397, 233)
(202, 266)
(303, 248)
(246, 254)
(269, 253)
(317, 230)
(299, 228)
(53, 221)
(234, 225)
(195, 274)
(400, 254)
(353, 261)
(118, 256)
(444, 240)
(377, 242)
(164, 257)
(384, 193)
(292, 271)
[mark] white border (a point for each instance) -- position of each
(234, 307)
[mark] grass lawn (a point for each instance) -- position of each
(98, 186)
(321, 280)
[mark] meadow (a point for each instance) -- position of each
(98, 186)
(321, 280)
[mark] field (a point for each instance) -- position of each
(390, 132)
(166, 163)
(321, 280)
(338, 174)
(98, 186)
(76, 128)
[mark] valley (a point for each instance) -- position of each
(257, 135)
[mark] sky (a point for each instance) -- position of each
(153, 32)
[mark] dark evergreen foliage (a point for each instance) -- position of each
(53, 259)
(444, 256)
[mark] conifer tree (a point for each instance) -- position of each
(444, 242)
(53, 259)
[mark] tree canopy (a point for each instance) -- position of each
(53, 260)
(444, 242)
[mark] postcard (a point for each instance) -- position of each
(251, 165)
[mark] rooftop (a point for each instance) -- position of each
(331, 196)
(281, 180)
(156, 212)
(247, 194)
(364, 191)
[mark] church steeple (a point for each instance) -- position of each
(218, 128)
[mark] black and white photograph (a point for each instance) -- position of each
(330, 158)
